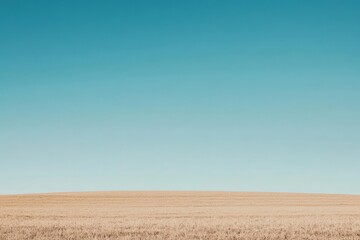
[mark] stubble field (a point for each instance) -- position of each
(179, 215)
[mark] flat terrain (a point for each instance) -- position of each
(179, 215)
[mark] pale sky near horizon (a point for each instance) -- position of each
(180, 95)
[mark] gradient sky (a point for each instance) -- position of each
(180, 95)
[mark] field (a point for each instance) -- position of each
(179, 215)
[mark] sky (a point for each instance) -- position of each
(180, 95)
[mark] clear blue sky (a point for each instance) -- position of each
(180, 95)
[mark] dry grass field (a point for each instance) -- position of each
(179, 215)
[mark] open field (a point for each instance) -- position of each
(179, 215)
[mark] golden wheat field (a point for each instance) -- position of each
(179, 215)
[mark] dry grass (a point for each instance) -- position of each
(179, 215)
